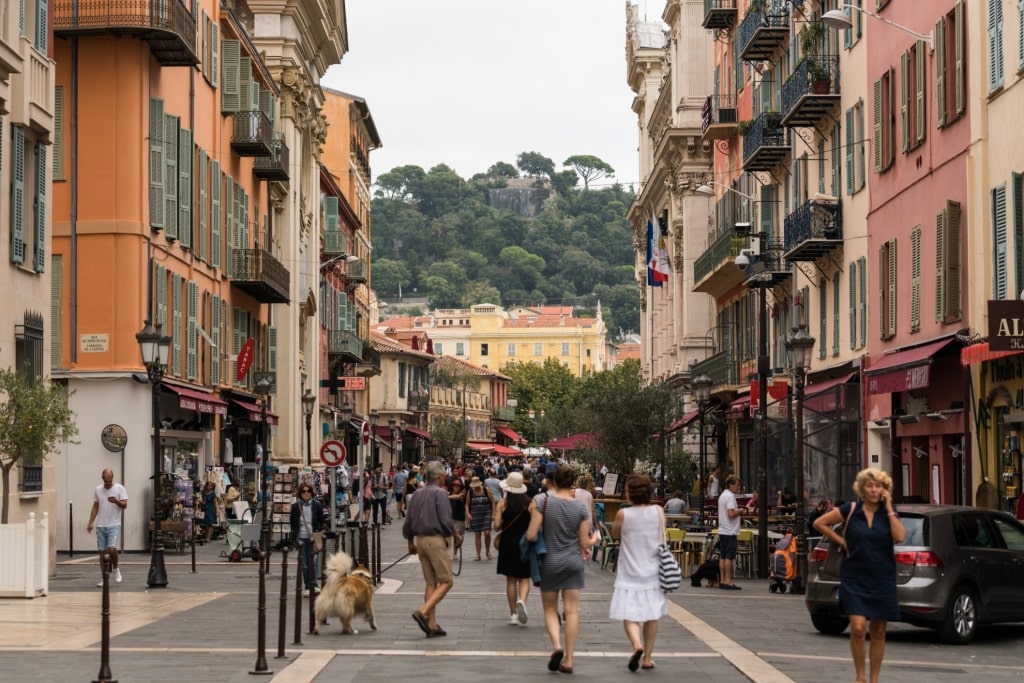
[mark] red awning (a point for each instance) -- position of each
(198, 401)
(256, 412)
(979, 353)
(571, 443)
(821, 396)
(383, 432)
(904, 370)
(509, 433)
(418, 433)
(738, 409)
(505, 451)
(683, 421)
(479, 446)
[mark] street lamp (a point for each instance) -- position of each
(838, 19)
(374, 418)
(396, 435)
(802, 346)
(702, 392)
(308, 406)
(154, 345)
(709, 190)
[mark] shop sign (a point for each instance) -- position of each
(1006, 325)
(900, 380)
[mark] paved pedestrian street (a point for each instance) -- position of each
(203, 627)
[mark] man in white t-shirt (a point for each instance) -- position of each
(728, 529)
(714, 483)
(109, 500)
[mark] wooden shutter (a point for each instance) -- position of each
(203, 208)
(176, 328)
(205, 19)
(821, 165)
(862, 296)
(42, 27)
(237, 339)
(1020, 34)
(17, 195)
(1017, 183)
(268, 105)
(39, 262)
(272, 349)
(915, 279)
(892, 288)
(836, 278)
(823, 318)
(185, 187)
(56, 311)
(876, 122)
(861, 133)
(230, 86)
(229, 225)
(216, 183)
(999, 255)
(905, 100)
(156, 163)
(995, 44)
(767, 209)
(958, 65)
(58, 132)
(837, 189)
(953, 229)
(161, 297)
(853, 304)
(940, 72)
(920, 64)
(851, 186)
(245, 83)
(191, 334)
(883, 291)
(217, 349)
(171, 127)
(940, 266)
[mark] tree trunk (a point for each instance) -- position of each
(5, 468)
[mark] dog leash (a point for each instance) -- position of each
(395, 562)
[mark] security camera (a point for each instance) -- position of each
(742, 229)
(743, 259)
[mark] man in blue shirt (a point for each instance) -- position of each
(401, 477)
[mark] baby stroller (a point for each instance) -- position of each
(243, 536)
(783, 565)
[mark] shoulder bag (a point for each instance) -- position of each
(670, 576)
(497, 536)
(833, 561)
(316, 538)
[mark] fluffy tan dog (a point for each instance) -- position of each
(345, 595)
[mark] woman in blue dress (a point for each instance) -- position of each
(867, 580)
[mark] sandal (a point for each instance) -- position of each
(647, 666)
(562, 668)
(556, 660)
(634, 661)
(421, 621)
(489, 556)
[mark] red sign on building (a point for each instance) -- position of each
(244, 361)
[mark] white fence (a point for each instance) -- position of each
(24, 555)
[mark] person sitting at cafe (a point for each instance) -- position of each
(786, 502)
(818, 511)
(675, 505)
(751, 506)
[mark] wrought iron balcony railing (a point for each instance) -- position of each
(356, 273)
(719, 14)
(769, 268)
(251, 134)
(275, 165)
(764, 143)
(257, 273)
(726, 246)
(345, 343)
(813, 230)
(722, 368)
(811, 92)
(719, 118)
(763, 32)
(167, 25)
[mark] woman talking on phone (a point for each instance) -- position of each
(867, 580)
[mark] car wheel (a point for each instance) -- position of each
(961, 620)
(829, 624)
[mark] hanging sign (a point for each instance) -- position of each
(244, 361)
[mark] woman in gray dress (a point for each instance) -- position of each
(567, 535)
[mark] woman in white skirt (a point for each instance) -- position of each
(637, 599)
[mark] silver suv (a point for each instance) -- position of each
(958, 567)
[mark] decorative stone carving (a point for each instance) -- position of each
(641, 279)
(299, 101)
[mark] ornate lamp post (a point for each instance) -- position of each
(802, 346)
(154, 345)
(374, 455)
(702, 392)
(308, 406)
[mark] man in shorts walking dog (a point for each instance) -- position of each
(728, 529)
(109, 500)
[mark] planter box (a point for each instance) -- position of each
(24, 558)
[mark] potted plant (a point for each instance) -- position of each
(744, 126)
(820, 76)
(812, 37)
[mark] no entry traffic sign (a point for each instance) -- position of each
(366, 432)
(332, 453)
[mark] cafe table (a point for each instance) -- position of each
(705, 541)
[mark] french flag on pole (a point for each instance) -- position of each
(658, 266)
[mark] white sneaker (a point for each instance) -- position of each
(521, 611)
(513, 620)
(117, 575)
(99, 585)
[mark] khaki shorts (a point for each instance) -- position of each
(435, 559)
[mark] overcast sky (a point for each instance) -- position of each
(472, 82)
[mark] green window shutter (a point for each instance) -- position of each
(330, 215)
(940, 72)
(905, 100)
(203, 207)
(186, 186)
(56, 311)
(823, 318)
(821, 165)
(953, 293)
(231, 73)
(58, 133)
(268, 105)
(837, 189)
(39, 264)
(1017, 182)
(940, 266)
(853, 304)
(246, 238)
(851, 186)
(245, 83)
(352, 317)
(876, 122)
(215, 349)
(171, 128)
(216, 183)
(805, 299)
(229, 224)
(767, 208)
(272, 349)
(191, 335)
(156, 163)
(42, 26)
(915, 279)
(214, 54)
(862, 163)
(958, 64)
(17, 195)
(205, 19)
(342, 322)
(237, 339)
(176, 328)
(161, 296)
(862, 295)
(999, 255)
(1020, 34)
(883, 316)
(835, 313)
(995, 44)
(920, 62)
(255, 96)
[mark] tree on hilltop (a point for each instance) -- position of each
(589, 167)
(502, 170)
(535, 164)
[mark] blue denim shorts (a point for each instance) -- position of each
(106, 537)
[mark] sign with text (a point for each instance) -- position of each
(1006, 325)
(244, 361)
(344, 383)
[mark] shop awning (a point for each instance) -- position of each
(683, 421)
(383, 432)
(979, 353)
(201, 402)
(509, 433)
(506, 451)
(904, 370)
(256, 412)
(480, 446)
(417, 432)
(738, 409)
(571, 443)
(821, 396)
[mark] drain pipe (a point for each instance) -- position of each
(73, 222)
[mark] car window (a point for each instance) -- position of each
(915, 527)
(1013, 534)
(971, 531)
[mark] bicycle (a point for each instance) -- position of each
(457, 559)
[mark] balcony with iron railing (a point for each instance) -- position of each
(251, 134)
(274, 166)
(356, 272)
(763, 32)
(257, 273)
(813, 230)
(722, 368)
(764, 143)
(344, 345)
(714, 271)
(370, 361)
(504, 413)
(166, 25)
(31, 478)
(719, 118)
(719, 14)
(335, 244)
(769, 268)
(811, 93)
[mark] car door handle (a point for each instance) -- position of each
(975, 559)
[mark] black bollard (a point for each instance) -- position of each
(282, 616)
(193, 525)
(376, 555)
(298, 594)
(364, 548)
(311, 576)
(104, 675)
(261, 668)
